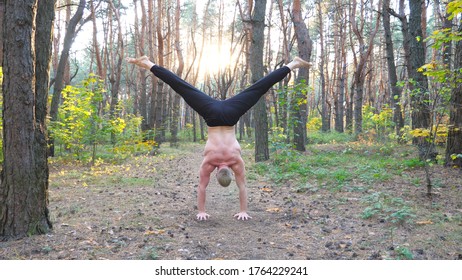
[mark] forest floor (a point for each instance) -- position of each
(145, 208)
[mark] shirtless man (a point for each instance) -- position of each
(222, 150)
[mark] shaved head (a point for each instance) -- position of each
(224, 176)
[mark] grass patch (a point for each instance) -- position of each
(336, 165)
(329, 138)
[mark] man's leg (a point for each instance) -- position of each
(239, 104)
(198, 100)
(195, 98)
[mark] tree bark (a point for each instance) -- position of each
(325, 115)
(421, 113)
(116, 68)
(304, 45)
(340, 58)
(256, 68)
(2, 14)
(159, 97)
(454, 143)
(24, 177)
(179, 72)
(392, 76)
(361, 65)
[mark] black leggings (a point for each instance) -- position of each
(220, 112)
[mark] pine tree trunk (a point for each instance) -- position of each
(159, 96)
(392, 76)
(179, 72)
(2, 14)
(24, 178)
(421, 113)
(256, 67)
(304, 45)
(454, 144)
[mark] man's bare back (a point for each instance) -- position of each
(222, 148)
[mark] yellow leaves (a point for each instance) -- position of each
(454, 8)
(273, 210)
(266, 189)
(420, 132)
(441, 133)
(428, 67)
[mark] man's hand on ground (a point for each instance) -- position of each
(242, 216)
(202, 216)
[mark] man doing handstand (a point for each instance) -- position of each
(222, 150)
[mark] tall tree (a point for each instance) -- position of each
(304, 44)
(159, 96)
(179, 72)
(99, 63)
(454, 143)
(115, 61)
(281, 120)
(140, 49)
(2, 13)
(364, 52)
(392, 76)
(24, 177)
(421, 113)
(58, 86)
(256, 67)
(340, 20)
(322, 61)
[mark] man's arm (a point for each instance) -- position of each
(239, 174)
(204, 178)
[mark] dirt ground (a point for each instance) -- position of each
(145, 208)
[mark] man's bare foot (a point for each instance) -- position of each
(242, 216)
(142, 62)
(297, 62)
(202, 216)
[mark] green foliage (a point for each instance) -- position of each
(380, 123)
(454, 8)
(403, 253)
(279, 141)
(81, 123)
(392, 209)
(314, 124)
(329, 137)
(345, 165)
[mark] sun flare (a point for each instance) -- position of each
(214, 59)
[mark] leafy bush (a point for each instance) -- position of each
(81, 123)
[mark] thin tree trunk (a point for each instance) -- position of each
(256, 67)
(159, 96)
(454, 143)
(59, 74)
(361, 66)
(116, 62)
(304, 44)
(324, 113)
(179, 72)
(421, 114)
(396, 91)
